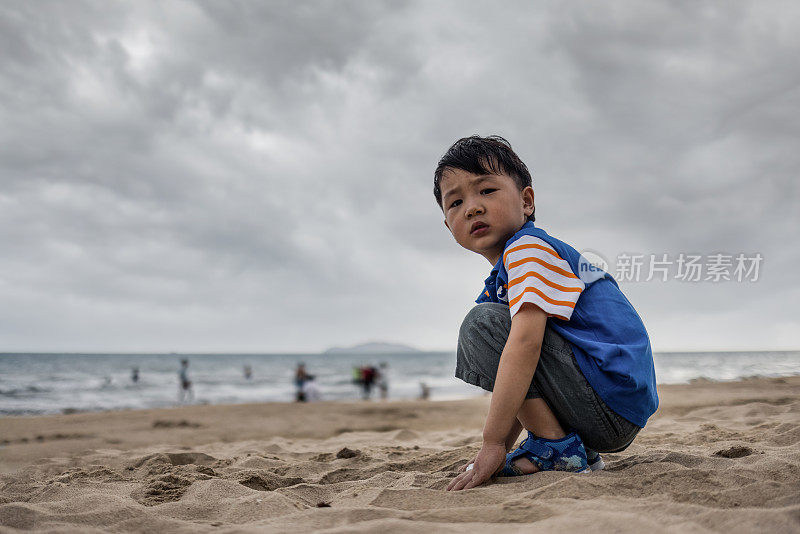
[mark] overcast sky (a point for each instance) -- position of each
(257, 176)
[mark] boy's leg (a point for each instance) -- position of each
(536, 416)
(557, 383)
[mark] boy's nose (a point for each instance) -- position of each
(475, 209)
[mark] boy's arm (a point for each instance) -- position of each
(515, 372)
(514, 375)
(511, 439)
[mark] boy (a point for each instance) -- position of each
(564, 352)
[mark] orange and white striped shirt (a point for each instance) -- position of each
(537, 274)
(587, 309)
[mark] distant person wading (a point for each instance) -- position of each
(300, 377)
(185, 392)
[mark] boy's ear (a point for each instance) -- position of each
(447, 225)
(528, 204)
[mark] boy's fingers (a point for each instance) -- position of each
(454, 482)
(475, 481)
(459, 482)
(469, 479)
(463, 482)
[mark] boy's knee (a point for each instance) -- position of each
(481, 340)
(486, 321)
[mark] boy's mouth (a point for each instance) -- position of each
(478, 228)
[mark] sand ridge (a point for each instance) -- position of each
(718, 457)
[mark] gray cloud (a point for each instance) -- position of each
(250, 176)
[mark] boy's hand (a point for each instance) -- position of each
(463, 468)
(490, 458)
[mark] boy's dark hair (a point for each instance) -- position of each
(482, 155)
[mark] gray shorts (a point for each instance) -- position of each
(557, 379)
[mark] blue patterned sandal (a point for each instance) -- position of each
(565, 454)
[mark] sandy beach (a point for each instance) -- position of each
(716, 457)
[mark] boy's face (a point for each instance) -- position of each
(484, 211)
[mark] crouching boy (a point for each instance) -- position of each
(565, 354)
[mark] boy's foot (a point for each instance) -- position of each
(539, 454)
(525, 466)
(593, 459)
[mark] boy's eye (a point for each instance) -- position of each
(455, 203)
(488, 190)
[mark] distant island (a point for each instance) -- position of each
(372, 348)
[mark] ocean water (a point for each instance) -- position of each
(58, 383)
